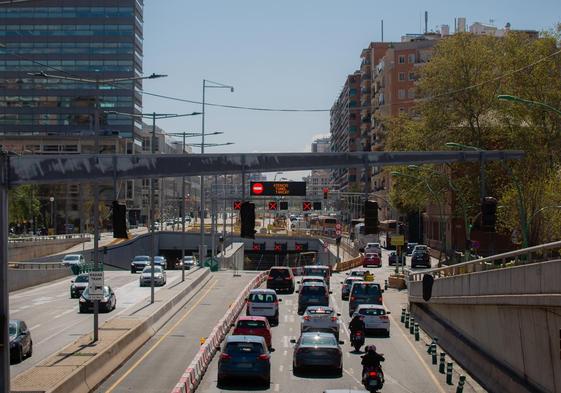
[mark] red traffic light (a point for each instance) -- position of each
(273, 205)
(256, 247)
(299, 247)
(307, 206)
(257, 188)
(237, 205)
(278, 247)
(325, 190)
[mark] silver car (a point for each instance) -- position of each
(317, 350)
(159, 276)
(320, 319)
(73, 259)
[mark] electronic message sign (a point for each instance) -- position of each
(278, 188)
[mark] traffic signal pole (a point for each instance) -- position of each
(4, 305)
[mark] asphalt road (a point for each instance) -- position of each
(160, 362)
(53, 317)
(406, 368)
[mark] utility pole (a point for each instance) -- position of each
(182, 212)
(4, 304)
(152, 197)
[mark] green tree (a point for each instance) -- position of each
(23, 204)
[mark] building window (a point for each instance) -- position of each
(411, 93)
(401, 76)
(401, 111)
(411, 76)
(352, 92)
(401, 59)
(401, 94)
(411, 58)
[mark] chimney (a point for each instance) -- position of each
(426, 22)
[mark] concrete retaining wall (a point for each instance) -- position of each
(25, 251)
(233, 257)
(502, 325)
(24, 278)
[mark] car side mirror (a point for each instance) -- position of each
(292, 341)
(296, 291)
(280, 300)
(388, 312)
(338, 314)
(341, 343)
(272, 350)
(342, 282)
(330, 292)
(72, 281)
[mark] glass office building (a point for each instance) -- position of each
(93, 39)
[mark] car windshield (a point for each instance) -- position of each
(313, 290)
(318, 340)
(157, 269)
(262, 297)
(372, 311)
(358, 273)
(12, 329)
(83, 278)
(243, 348)
(141, 259)
(158, 258)
(251, 324)
(320, 311)
(187, 258)
(72, 257)
(365, 289)
(372, 255)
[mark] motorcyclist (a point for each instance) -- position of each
(371, 360)
(357, 324)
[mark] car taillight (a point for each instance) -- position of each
(333, 319)
(263, 356)
(383, 317)
(225, 356)
(380, 299)
(358, 333)
(353, 298)
(307, 318)
(288, 278)
(270, 278)
(373, 374)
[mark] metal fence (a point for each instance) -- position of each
(30, 239)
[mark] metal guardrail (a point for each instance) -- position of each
(540, 253)
(35, 265)
(50, 237)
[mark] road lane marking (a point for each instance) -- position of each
(34, 327)
(427, 368)
(63, 313)
(277, 387)
(281, 368)
(284, 353)
(161, 339)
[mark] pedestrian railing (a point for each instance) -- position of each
(29, 239)
(540, 253)
(35, 265)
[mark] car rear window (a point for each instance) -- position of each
(372, 311)
(251, 324)
(83, 278)
(314, 291)
(318, 340)
(312, 280)
(243, 348)
(262, 297)
(365, 289)
(311, 271)
(279, 273)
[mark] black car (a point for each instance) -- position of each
(281, 279)
(393, 259)
(420, 257)
(108, 303)
(21, 345)
(409, 249)
(312, 294)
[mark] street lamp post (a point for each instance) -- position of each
(520, 100)
(52, 200)
(207, 84)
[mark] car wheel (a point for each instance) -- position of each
(82, 310)
(388, 333)
(72, 295)
(133, 271)
(30, 352)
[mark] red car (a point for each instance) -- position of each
(254, 326)
(372, 259)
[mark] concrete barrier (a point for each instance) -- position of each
(24, 278)
(350, 264)
(27, 250)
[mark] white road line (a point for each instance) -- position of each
(286, 341)
(63, 313)
(277, 387)
(34, 327)
(284, 353)
(281, 368)
(290, 329)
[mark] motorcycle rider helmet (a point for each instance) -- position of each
(372, 348)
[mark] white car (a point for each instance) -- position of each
(306, 279)
(373, 248)
(263, 303)
(160, 278)
(375, 317)
(320, 319)
(73, 259)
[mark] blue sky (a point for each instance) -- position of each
(286, 54)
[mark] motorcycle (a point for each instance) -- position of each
(373, 379)
(357, 339)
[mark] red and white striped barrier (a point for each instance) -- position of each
(193, 375)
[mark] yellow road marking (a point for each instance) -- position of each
(160, 340)
(427, 368)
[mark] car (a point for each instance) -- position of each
(160, 277)
(373, 247)
(244, 357)
(254, 326)
(320, 319)
(346, 288)
(139, 262)
(409, 248)
(317, 350)
(318, 270)
(78, 285)
(161, 261)
(393, 259)
(21, 344)
(73, 259)
(281, 278)
(420, 257)
(107, 303)
(363, 292)
(312, 294)
(375, 317)
(263, 303)
(306, 279)
(422, 247)
(372, 259)
(189, 261)
(345, 391)
(358, 273)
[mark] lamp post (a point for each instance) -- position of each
(153, 116)
(52, 200)
(521, 205)
(543, 105)
(207, 84)
(437, 199)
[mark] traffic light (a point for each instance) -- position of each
(317, 205)
(280, 247)
(119, 221)
(247, 215)
(257, 247)
(237, 205)
(370, 217)
(306, 206)
(284, 205)
(272, 205)
(489, 213)
(325, 192)
(300, 247)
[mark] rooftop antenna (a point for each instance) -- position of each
(382, 26)
(426, 21)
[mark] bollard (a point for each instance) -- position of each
(461, 383)
(429, 349)
(449, 367)
(406, 320)
(442, 364)
(402, 319)
(434, 355)
(385, 284)
(417, 336)
(412, 325)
